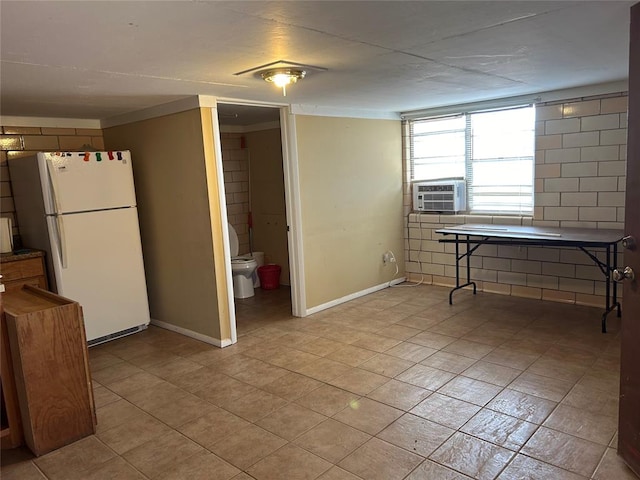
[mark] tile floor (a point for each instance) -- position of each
(394, 385)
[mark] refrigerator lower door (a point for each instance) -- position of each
(97, 258)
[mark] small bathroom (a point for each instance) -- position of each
(254, 188)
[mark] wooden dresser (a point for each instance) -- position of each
(23, 269)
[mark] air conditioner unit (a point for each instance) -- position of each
(442, 196)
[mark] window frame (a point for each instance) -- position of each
(467, 172)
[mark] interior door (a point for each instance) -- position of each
(629, 423)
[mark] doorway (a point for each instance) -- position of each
(254, 182)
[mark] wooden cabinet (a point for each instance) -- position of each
(16, 271)
(19, 270)
(50, 362)
(11, 431)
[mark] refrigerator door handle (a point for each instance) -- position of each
(61, 241)
(54, 185)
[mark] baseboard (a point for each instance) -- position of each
(190, 333)
(361, 293)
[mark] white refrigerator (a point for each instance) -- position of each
(80, 208)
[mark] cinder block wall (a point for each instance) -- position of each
(26, 141)
(235, 166)
(579, 182)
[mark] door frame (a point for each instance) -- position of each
(293, 211)
(292, 207)
(629, 417)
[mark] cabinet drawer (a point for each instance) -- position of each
(11, 271)
(31, 267)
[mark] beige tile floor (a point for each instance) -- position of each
(393, 385)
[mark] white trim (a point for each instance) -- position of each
(353, 296)
(208, 101)
(250, 128)
(177, 106)
(250, 103)
(540, 97)
(49, 122)
(191, 334)
(319, 111)
(217, 145)
(293, 212)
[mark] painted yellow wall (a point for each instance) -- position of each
(172, 160)
(351, 203)
(267, 198)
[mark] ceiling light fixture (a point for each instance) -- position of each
(282, 77)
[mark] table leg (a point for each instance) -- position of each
(458, 257)
(609, 288)
(615, 284)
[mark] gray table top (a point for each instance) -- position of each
(553, 235)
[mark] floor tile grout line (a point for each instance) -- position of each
(149, 413)
(375, 436)
(557, 341)
(177, 431)
(600, 462)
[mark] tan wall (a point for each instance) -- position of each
(26, 141)
(267, 198)
(172, 160)
(579, 182)
(351, 203)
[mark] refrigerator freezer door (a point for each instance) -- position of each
(103, 270)
(82, 182)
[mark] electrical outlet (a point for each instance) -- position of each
(386, 257)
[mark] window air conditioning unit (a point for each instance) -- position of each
(442, 196)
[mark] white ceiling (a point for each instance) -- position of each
(98, 59)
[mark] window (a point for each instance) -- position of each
(492, 150)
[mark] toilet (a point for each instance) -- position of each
(243, 268)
